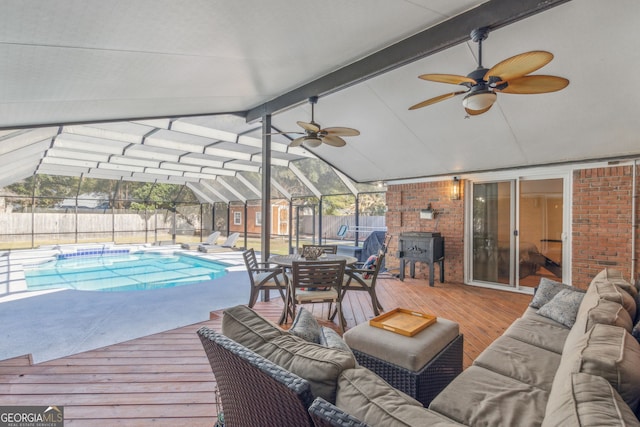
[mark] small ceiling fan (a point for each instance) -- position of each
(314, 135)
(508, 76)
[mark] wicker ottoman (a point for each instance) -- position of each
(421, 366)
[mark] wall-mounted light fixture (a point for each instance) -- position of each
(455, 189)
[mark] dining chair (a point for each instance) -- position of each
(364, 279)
(317, 282)
(264, 277)
(327, 249)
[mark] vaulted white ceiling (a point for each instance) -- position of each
(172, 75)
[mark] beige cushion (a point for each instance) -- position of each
(541, 334)
(366, 396)
(606, 351)
(595, 310)
(480, 397)
(246, 327)
(615, 276)
(606, 312)
(532, 314)
(607, 289)
(317, 364)
(411, 353)
(521, 361)
(588, 401)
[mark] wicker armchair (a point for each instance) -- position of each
(254, 391)
(324, 414)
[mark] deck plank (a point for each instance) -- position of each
(165, 379)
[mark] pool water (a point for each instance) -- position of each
(122, 272)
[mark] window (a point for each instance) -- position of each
(237, 218)
(259, 218)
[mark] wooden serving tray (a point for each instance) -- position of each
(403, 321)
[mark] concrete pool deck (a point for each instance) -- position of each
(50, 325)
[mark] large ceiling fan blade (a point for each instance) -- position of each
(296, 142)
(334, 140)
(447, 78)
(436, 99)
(342, 131)
(519, 65)
(311, 127)
(476, 112)
(535, 84)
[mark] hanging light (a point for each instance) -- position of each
(479, 100)
(312, 141)
(455, 189)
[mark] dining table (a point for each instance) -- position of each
(286, 262)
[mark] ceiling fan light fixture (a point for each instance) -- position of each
(312, 141)
(479, 100)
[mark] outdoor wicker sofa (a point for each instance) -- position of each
(570, 360)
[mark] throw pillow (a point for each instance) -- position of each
(306, 326)
(370, 264)
(546, 290)
(331, 339)
(563, 307)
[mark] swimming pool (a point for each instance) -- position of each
(122, 272)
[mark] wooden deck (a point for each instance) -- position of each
(165, 379)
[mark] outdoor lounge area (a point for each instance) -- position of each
(165, 379)
(490, 145)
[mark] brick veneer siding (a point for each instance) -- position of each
(404, 203)
(601, 222)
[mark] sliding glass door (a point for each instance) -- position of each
(517, 231)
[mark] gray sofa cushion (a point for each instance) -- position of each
(609, 289)
(480, 397)
(246, 327)
(609, 352)
(532, 314)
(369, 398)
(319, 365)
(588, 401)
(615, 276)
(521, 361)
(541, 334)
(595, 310)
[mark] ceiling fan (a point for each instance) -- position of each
(314, 135)
(508, 76)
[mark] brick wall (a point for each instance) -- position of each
(601, 222)
(404, 203)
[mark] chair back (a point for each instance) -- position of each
(318, 274)
(250, 260)
(211, 240)
(255, 391)
(231, 240)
